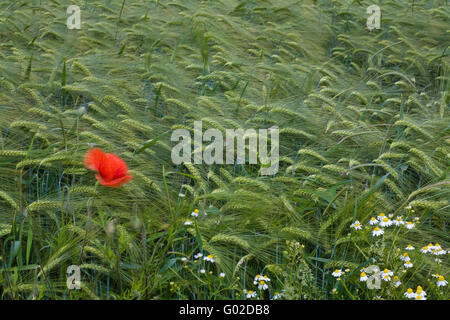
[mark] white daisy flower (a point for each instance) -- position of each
(405, 257)
(276, 296)
(266, 278)
(441, 282)
(337, 273)
(356, 225)
(410, 293)
(257, 277)
(409, 247)
(181, 195)
(386, 274)
(209, 258)
(363, 276)
(381, 216)
(187, 222)
(202, 270)
(396, 282)
(421, 291)
(425, 249)
(373, 221)
(195, 213)
(198, 255)
(409, 225)
(408, 264)
(250, 294)
(439, 252)
(262, 285)
(377, 232)
(222, 275)
(184, 259)
(385, 222)
(398, 221)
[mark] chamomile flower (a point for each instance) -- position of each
(276, 296)
(184, 259)
(405, 257)
(425, 249)
(409, 247)
(337, 273)
(386, 274)
(439, 251)
(441, 282)
(195, 213)
(373, 221)
(385, 222)
(398, 221)
(363, 276)
(420, 297)
(409, 225)
(266, 278)
(209, 258)
(396, 281)
(420, 291)
(408, 264)
(222, 275)
(202, 271)
(250, 294)
(356, 225)
(410, 293)
(198, 255)
(187, 222)
(262, 285)
(381, 216)
(377, 232)
(181, 195)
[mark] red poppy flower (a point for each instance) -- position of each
(111, 170)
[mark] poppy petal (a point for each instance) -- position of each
(113, 183)
(112, 167)
(94, 158)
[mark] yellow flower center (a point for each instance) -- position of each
(425, 248)
(385, 219)
(409, 290)
(419, 297)
(405, 254)
(336, 271)
(196, 210)
(372, 218)
(441, 278)
(261, 282)
(381, 214)
(377, 229)
(250, 292)
(210, 256)
(363, 274)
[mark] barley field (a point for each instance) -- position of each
(92, 205)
